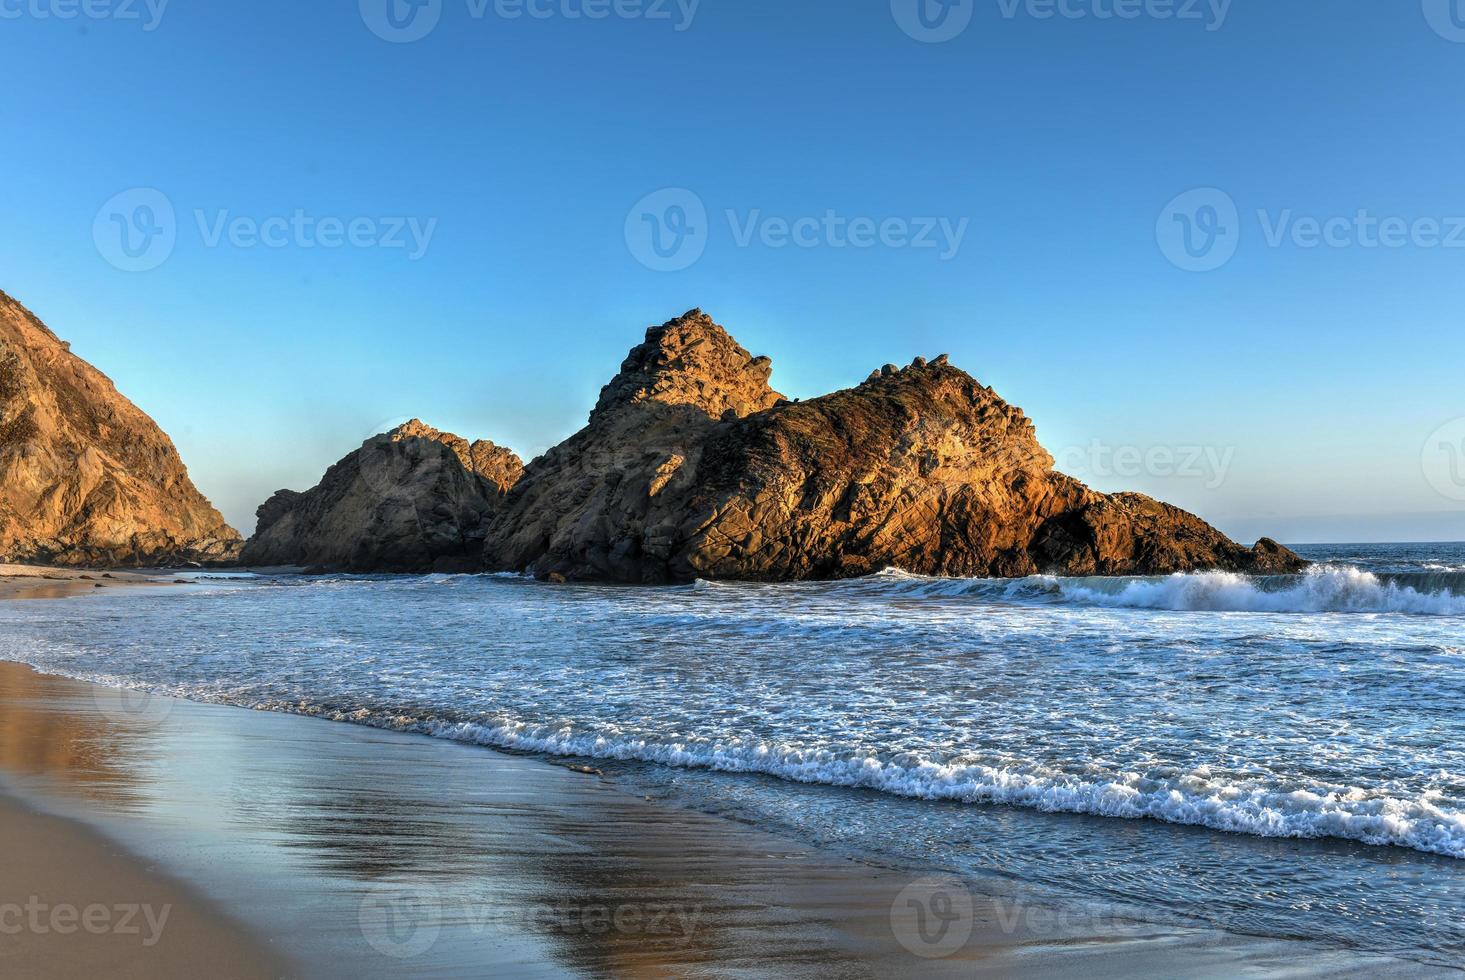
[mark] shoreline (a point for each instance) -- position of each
(47, 582)
(556, 869)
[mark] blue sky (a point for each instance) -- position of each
(855, 184)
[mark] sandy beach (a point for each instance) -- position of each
(75, 905)
(40, 582)
(299, 847)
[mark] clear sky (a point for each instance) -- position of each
(1029, 193)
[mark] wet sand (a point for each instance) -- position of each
(38, 582)
(73, 905)
(365, 853)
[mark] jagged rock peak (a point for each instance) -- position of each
(691, 361)
(412, 499)
(693, 468)
(86, 477)
(500, 466)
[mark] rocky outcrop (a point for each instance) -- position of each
(414, 499)
(86, 478)
(691, 466)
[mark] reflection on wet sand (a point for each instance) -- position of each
(527, 868)
(54, 730)
(363, 853)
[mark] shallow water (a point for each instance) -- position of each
(1278, 755)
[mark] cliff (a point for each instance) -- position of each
(86, 478)
(691, 466)
(410, 500)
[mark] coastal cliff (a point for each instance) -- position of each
(692, 466)
(86, 478)
(413, 499)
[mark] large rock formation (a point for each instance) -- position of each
(85, 477)
(691, 466)
(413, 499)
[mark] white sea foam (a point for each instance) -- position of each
(1195, 798)
(1321, 589)
(1026, 692)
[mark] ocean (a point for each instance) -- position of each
(1278, 756)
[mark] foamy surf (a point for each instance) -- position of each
(1195, 798)
(1320, 589)
(1327, 707)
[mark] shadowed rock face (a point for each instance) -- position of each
(693, 467)
(85, 477)
(413, 499)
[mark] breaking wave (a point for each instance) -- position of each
(1320, 589)
(1196, 798)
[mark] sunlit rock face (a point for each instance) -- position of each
(86, 478)
(692, 466)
